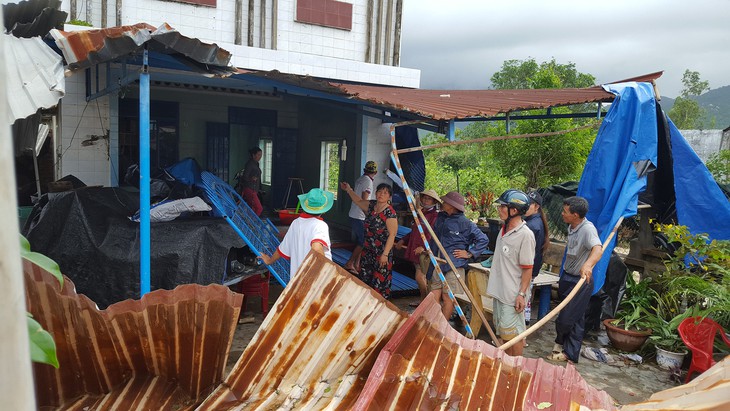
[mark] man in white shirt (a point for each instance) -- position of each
(307, 232)
(364, 189)
(511, 272)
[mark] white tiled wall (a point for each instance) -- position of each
(301, 48)
(79, 121)
(378, 148)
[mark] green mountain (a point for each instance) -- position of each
(715, 102)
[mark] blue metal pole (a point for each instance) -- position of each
(144, 176)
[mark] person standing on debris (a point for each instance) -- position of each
(537, 222)
(511, 272)
(583, 251)
(462, 240)
(250, 180)
(381, 226)
(364, 190)
(413, 243)
(306, 232)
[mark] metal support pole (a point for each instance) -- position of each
(144, 176)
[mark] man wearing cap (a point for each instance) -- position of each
(415, 251)
(511, 272)
(462, 240)
(364, 189)
(307, 232)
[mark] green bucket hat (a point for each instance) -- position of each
(316, 201)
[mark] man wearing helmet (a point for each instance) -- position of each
(511, 272)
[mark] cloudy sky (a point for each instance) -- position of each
(459, 44)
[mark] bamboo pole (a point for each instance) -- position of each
(565, 302)
(412, 206)
(480, 313)
(494, 138)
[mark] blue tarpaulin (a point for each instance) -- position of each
(701, 204)
(616, 168)
(624, 152)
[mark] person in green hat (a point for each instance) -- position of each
(307, 232)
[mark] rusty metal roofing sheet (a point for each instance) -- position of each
(446, 104)
(165, 351)
(428, 365)
(34, 77)
(86, 48)
(315, 349)
(709, 391)
(33, 17)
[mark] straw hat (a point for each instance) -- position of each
(316, 201)
(432, 193)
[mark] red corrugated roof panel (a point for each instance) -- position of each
(166, 350)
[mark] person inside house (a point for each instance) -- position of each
(364, 190)
(307, 232)
(537, 222)
(381, 226)
(583, 251)
(462, 240)
(511, 272)
(415, 250)
(250, 180)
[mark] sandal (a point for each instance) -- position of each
(558, 357)
(557, 348)
(414, 304)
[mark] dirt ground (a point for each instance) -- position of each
(626, 381)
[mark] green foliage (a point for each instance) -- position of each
(636, 305)
(693, 86)
(686, 112)
(719, 166)
(80, 23)
(42, 346)
(527, 74)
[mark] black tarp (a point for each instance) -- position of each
(87, 232)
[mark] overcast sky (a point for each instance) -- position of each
(459, 44)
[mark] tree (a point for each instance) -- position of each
(686, 112)
(546, 160)
(719, 166)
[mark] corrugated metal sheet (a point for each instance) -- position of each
(315, 349)
(34, 77)
(165, 351)
(86, 48)
(446, 104)
(709, 391)
(428, 365)
(32, 18)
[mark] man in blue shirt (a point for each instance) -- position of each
(462, 240)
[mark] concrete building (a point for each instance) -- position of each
(216, 121)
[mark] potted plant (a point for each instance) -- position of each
(665, 338)
(631, 327)
(483, 204)
(695, 283)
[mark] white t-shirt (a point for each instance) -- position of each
(362, 184)
(514, 251)
(297, 242)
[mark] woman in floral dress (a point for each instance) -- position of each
(381, 226)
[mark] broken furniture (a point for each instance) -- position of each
(477, 279)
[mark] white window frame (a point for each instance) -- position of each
(324, 168)
(267, 146)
